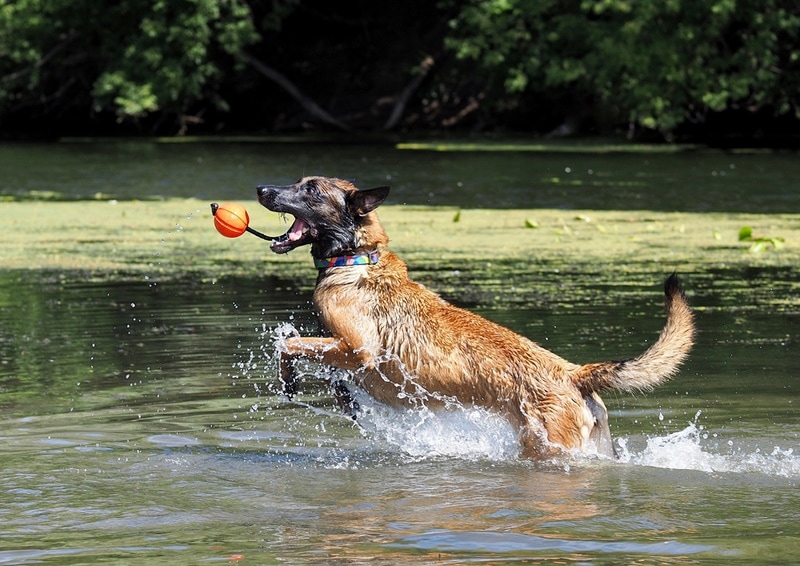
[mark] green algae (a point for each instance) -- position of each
(174, 238)
(550, 146)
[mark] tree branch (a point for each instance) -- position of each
(282, 81)
(41, 62)
(405, 96)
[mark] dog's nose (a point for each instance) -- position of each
(268, 195)
(264, 190)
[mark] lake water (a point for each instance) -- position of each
(140, 421)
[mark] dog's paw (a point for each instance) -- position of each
(289, 378)
(290, 387)
(345, 399)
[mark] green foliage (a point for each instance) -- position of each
(134, 57)
(758, 245)
(657, 64)
(172, 55)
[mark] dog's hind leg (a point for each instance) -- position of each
(600, 434)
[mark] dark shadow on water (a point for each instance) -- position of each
(700, 181)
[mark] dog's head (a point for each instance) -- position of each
(330, 214)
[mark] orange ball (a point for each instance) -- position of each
(231, 219)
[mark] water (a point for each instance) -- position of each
(140, 421)
(692, 181)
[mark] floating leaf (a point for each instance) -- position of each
(531, 223)
(457, 217)
(717, 235)
(759, 244)
(745, 234)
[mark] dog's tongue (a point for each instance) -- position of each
(299, 227)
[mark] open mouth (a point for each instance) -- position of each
(298, 234)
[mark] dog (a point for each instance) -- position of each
(405, 345)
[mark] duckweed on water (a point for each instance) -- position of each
(486, 257)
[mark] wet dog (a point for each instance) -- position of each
(405, 345)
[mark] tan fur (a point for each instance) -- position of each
(406, 345)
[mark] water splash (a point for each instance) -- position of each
(693, 448)
(468, 433)
(475, 433)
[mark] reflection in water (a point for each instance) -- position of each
(146, 351)
(70, 346)
(688, 181)
(141, 419)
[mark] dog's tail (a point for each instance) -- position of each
(658, 363)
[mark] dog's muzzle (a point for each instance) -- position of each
(268, 195)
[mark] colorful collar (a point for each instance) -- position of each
(347, 260)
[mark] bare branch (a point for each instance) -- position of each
(405, 96)
(282, 81)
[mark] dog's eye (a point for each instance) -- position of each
(311, 187)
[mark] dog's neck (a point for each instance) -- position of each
(366, 258)
(369, 233)
(366, 236)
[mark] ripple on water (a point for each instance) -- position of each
(496, 542)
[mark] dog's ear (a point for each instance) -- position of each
(365, 201)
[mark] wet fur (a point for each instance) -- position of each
(406, 345)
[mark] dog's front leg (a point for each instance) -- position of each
(334, 352)
(290, 383)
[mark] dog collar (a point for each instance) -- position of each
(368, 258)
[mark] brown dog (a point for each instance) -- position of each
(406, 345)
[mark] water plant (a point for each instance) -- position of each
(759, 244)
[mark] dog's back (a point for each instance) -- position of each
(423, 348)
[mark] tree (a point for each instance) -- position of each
(135, 58)
(655, 64)
(349, 65)
(167, 65)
